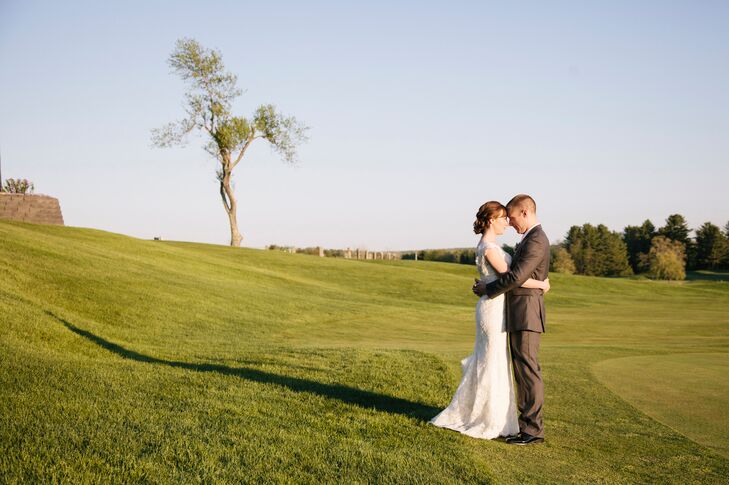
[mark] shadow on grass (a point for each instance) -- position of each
(346, 394)
(706, 275)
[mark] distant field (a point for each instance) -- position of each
(686, 391)
(124, 360)
(716, 275)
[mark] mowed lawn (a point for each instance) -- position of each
(689, 392)
(124, 360)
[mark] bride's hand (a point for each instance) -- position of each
(546, 285)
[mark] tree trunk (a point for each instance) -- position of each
(231, 207)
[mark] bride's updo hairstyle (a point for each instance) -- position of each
(490, 210)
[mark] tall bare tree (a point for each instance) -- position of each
(208, 105)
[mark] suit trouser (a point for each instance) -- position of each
(529, 386)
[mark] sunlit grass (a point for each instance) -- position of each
(126, 360)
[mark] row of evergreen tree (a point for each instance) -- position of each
(665, 253)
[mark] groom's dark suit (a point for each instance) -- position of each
(525, 318)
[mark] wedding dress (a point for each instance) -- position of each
(484, 405)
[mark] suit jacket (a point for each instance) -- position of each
(524, 306)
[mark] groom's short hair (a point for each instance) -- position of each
(522, 201)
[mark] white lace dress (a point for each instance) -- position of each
(484, 405)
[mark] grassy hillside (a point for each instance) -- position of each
(126, 360)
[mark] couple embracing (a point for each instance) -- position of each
(509, 322)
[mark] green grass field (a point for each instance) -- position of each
(124, 360)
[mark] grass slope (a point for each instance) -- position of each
(126, 360)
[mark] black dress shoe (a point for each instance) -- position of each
(524, 439)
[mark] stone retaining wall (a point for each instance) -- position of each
(39, 209)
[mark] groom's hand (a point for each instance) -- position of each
(479, 288)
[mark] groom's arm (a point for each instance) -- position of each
(521, 269)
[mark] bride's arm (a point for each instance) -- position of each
(541, 285)
(496, 260)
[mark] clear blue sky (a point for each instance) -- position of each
(605, 112)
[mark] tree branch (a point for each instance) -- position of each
(243, 150)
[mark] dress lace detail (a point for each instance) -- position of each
(485, 271)
(483, 405)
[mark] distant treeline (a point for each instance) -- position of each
(663, 253)
(455, 255)
(314, 251)
(348, 253)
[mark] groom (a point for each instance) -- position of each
(525, 315)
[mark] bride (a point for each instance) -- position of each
(484, 405)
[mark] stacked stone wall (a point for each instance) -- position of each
(39, 209)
